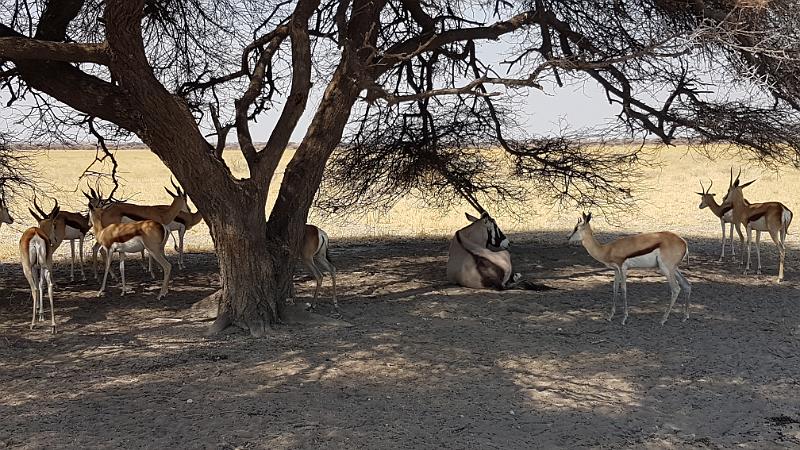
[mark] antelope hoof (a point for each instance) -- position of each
(624, 319)
(100, 293)
(53, 329)
(685, 318)
(610, 316)
(758, 272)
(31, 326)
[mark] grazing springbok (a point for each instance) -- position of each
(773, 217)
(68, 226)
(314, 252)
(663, 250)
(121, 212)
(5, 216)
(133, 237)
(724, 213)
(36, 256)
(478, 257)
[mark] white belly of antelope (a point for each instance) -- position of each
(646, 261)
(135, 245)
(759, 225)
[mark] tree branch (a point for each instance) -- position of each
(25, 48)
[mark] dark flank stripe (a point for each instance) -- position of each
(77, 225)
(180, 220)
(756, 216)
(134, 217)
(643, 251)
(725, 209)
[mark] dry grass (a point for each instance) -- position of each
(668, 202)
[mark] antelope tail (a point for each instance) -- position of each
(786, 219)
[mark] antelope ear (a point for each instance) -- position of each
(589, 217)
(471, 218)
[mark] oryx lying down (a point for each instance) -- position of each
(479, 258)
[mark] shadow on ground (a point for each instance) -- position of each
(425, 364)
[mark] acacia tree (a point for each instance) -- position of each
(415, 74)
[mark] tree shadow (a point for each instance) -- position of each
(424, 365)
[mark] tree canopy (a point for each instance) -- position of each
(409, 93)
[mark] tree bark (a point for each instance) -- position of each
(255, 269)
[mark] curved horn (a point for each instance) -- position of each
(702, 188)
(709, 186)
(34, 215)
(88, 197)
(177, 188)
(54, 211)
(38, 208)
(170, 192)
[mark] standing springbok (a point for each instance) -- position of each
(773, 217)
(133, 237)
(36, 256)
(68, 226)
(478, 257)
(663, 250)
(184, 221)
(313, 251)
(121, 212)
(724, 213)
(5, 216)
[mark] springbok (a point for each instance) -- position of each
(5, 216)
(68, 226)
(724, 213)
(121, 212)
(313, 252)
(773, 217)
(663, 250)
(133, 237)
(478, 257)
(184, 221)
(36, 256)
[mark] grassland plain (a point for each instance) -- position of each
(425, 364)
(665, 201)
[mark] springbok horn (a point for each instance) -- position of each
(87, 195)
(36, 205)
(170, 192)
(702, 189)
(177, 188)
(34, 215)
(54, 212)
(731, 182)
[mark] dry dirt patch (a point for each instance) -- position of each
(425, 364)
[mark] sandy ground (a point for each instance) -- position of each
(423, 365)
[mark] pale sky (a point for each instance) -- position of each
(580, 105)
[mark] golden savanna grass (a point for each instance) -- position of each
(667, 200)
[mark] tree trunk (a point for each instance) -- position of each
(255, 273)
